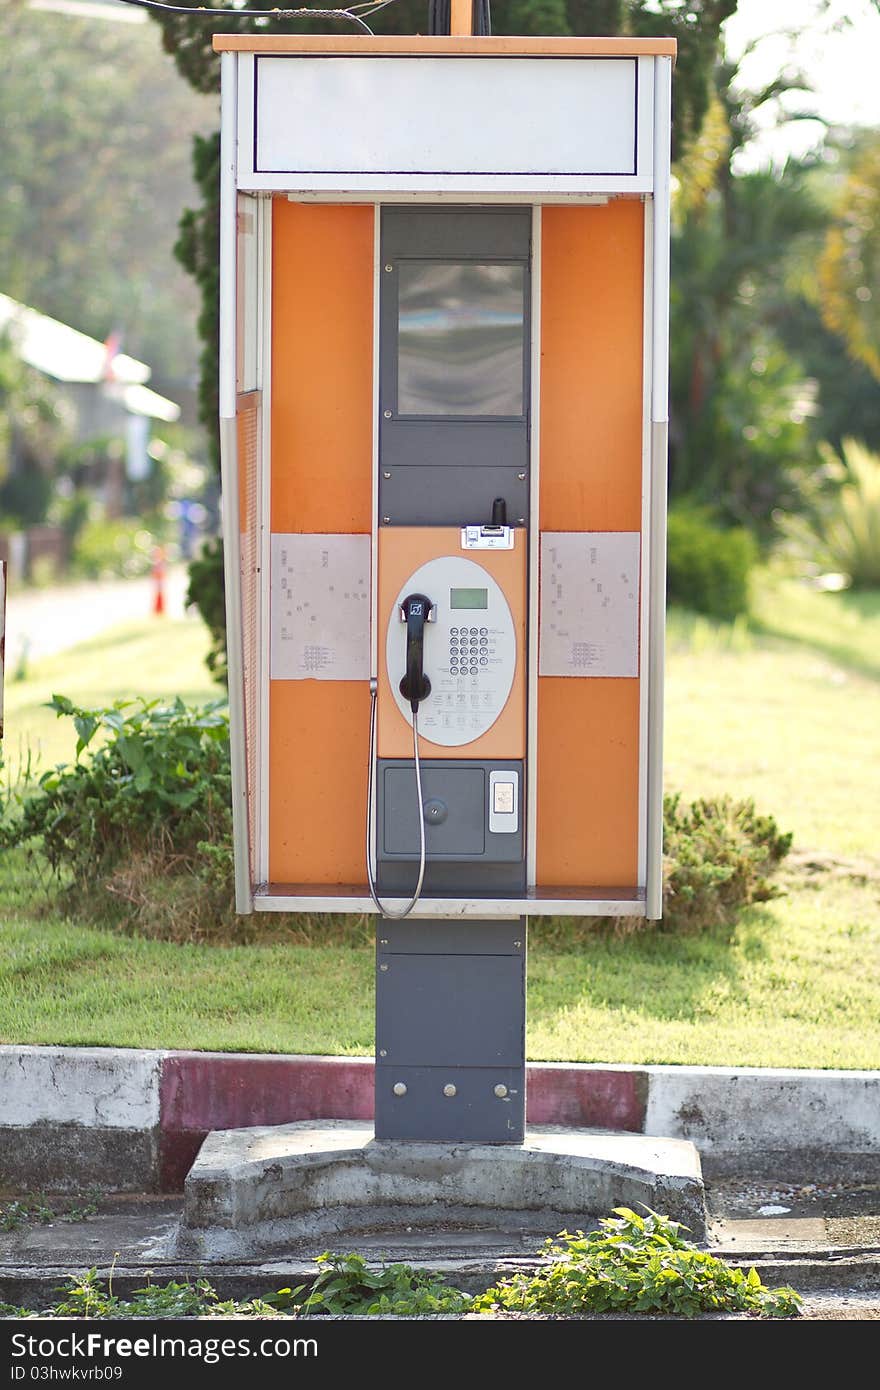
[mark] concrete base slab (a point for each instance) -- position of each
(262, 1191)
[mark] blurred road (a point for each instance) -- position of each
(42, 621)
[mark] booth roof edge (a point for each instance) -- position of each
(419, 44)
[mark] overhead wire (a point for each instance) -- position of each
(368, 8)
(204, 11)
(438, 13)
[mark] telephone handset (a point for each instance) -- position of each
(415, 611)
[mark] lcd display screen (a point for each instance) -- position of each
(468, 598)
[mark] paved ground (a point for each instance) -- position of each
(42, 621)
(824, 1241)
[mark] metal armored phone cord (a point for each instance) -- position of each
(388, 911)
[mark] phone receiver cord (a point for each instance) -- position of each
(390, 911)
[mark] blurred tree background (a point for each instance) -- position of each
(775, 351)
(769, 358)
(95, 169)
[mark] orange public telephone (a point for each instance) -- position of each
(451, 710)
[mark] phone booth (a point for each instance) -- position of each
(443, 398)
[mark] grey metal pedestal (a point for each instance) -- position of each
(450, 1030)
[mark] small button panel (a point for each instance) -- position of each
(503, 802)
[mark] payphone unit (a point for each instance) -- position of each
(451, 670)
(452, 556)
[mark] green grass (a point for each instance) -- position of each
(154, 657)
(796, 986)
(786, 712)
(779, 721)
(62, 982)
(843, 626)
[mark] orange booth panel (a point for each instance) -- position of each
(592, 307)
(591, 479)
(321, 464)
(319, 744)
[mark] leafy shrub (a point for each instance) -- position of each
(160, 776)
(344, 1284)
(842, 533)
(708, 568)
(718, 858)
(144, 819)
(635, 1264)
(140, 828)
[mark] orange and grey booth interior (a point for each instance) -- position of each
(448, 436)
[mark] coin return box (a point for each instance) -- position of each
(471, 810)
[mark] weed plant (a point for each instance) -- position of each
(36, 1209)
(635, 1264)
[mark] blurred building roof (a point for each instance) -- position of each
(92, 9)
(65, 354)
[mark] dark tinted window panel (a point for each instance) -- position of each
(450, 234)
(460, 339)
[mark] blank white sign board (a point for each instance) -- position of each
(320, 608)
(589, 608)
(414, 115)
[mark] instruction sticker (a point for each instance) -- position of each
(320, 608)
(589, 619)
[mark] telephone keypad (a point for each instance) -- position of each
(469, 651)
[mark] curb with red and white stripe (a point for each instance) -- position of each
(132, 1120)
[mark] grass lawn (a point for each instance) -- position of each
(790, 720)
(72, 984)
(786, 712)
(153, 657)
